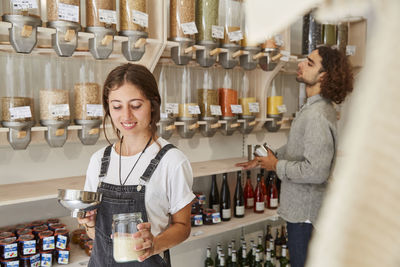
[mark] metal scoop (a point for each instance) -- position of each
(78, 202)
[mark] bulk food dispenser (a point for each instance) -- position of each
(182, 30)
(134, 22)
(87, 103)
(17, 112)
(269, 57)
(209, 32)
(250, 106)
(275, 106)
(64, 16)
(101, 20)
(228, 100)
(24, 17)
(54, 102)
(207, 96)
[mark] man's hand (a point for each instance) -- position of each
(269, 162)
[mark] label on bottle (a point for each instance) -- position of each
(216, 110)
(254, 107)
(10, 251)
(235, 36)
(215, 207)
(216, 217)
(236, 109)
(140, 18)
(24, 4)
(35, 260)
(108, 16)
(350, 50)
(239, 210)
(63, 257)
(46, 259)
(61, 242)
(194, 110)
(217, 32)
(68, 12)
(48, 243)
(59, 110)
(282, 108)
(12, 263)
(226, 213)
(260, 206)
(250, 202)
(20, 112)
(172, 108)
(273, 202)
(189, 28)
(93, 110)
(29, 247)
(278, 251)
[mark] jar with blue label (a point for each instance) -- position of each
(46, 258)
(8, 248)
(9, 263)
(26, 245)
(30, 261)
(62, 238)
(62, 256)
(46, 240)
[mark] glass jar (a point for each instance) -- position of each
(67, 11)
(329, 34)
(311, 33)
(62, 238)
(26, 245)
(206, 17)
(207, 94)
(8, 248)
(46, 240)
(126, 10)
(181, 12)
(229, 16)
(96, 11)
(227, 94)
(24, 232)
(31, 8)
(123, 226)
(246, 98)
(62, 256)
(76, 234)
(342, 36)
(46, 258)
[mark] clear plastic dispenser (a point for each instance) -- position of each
(64, 16)
(134, 22)
(24, 17)
(228, 100)
(54, 102)
(17, 112)
(275, 106)
(269, 57)
(249, 104)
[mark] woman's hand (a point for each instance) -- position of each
(148, 240)
(247, 165)
(89, 222)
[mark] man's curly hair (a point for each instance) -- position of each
(338, 79)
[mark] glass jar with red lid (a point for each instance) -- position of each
(46, 240)
(9, 263)
(38, 229)
(55, 226)
(26, 245)
(53, 220)
(8, 248)
(25, 231)
(62, 238)
(46, 258)
(29, 261)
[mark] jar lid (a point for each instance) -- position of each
(54, 220)
(209, 212)
(56, 225)
(37, 223)
(61, 232)
(6, 235)
(45, 234)
(24, 232)
(41, 228)
(26, 237)
(8, 240)
(78, 231)
(21, 226)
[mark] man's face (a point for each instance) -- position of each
(309, 71)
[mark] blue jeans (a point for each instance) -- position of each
(299, 235)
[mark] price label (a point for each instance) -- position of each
(59, 110)
(20, 112)
(350, 50)
(235, 36)
(216, 110)
(285, 55)
(14, 263)
(94, 110)
(282, 108)
(140, 18)
(278, 40)
(164, 115)
(217, 32)
(189, 28)
(24, 4)
(193, 110)
(254, 107)
(68, 12)
(108, 16)
(172, 108)
(236, 109)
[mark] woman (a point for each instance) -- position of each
(128, 177)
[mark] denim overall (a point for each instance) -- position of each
(122, 199)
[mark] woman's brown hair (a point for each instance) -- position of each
(338, 79)
(144, 80)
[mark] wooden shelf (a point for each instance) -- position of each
(206, 168)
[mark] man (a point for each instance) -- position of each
(304, 164)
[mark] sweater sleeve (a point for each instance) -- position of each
(319, 149)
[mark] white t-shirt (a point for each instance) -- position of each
(169, 189)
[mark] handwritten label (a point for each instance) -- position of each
(59, 110)
(189, 28)
(217, 32)
(24, 4)
(164, 115)
(350, 50)
(254, 107)
(68, 12)
(108, 16)
(235, 36)
(94, 110)
(216, 110)
(285, 55)
(236, 109)
(140, 18)
(282, 108)
(20, 112)
(194, 110)
(172, 108)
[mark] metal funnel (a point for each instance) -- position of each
(77, 201)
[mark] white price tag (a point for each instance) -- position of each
(282, 108)
(189, 28)
(24, 4)
(59, 110)
(108, 16)
(350, 50)
(236, 109)
(279, 40)
(285, 55)
(216, 110)
(254, 107)
(235, 36)
(217, 31)
(140, 18)
(193, 110)
(20, 112)
(68, 12)
(172, 108)
(94, 110)
(164, 115)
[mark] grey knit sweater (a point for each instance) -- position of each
(306, 160)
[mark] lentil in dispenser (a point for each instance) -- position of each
(228, 100)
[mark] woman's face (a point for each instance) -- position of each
(130, 110)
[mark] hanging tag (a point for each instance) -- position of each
(235, 36)
(140, 18)
(254, 107)
(217, 32)
(20, 112)
(189, 28)
(216, 110)
(282, 108)
(24, 4)
(236, 109)
(194, 110)
(108, 16)
(172, 108)
(94, 110)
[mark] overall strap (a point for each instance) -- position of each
(154, 162)
(105, 162)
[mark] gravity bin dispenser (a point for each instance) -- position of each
(269, 56)
(250, 49)
(275, 106)
(24, 18)
(249, 104)
(228, 100)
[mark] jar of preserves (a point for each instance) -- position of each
(24, 232)
(46, 240)
(62, 256)
(46, 258)
(62, 238)
(55, 226)
(38, 229)
(76, 234)
(83, 238)
(8, 248)
(26, 245)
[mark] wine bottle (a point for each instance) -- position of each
(268, 261)
(229, 258)
(221, 260)
(208, 262)
(234, 259)
(263, 186)
(214, 195)
(258, 197)
(225, 203)
(260, 247)
(283, 260)
(272, 248)
(258, 261)
(239, 254)
(238, 200)
(278, 245)
(251, 254)
(219, 250)
(272, 198)
(248, 192)
(244, 262)
(267, 237)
